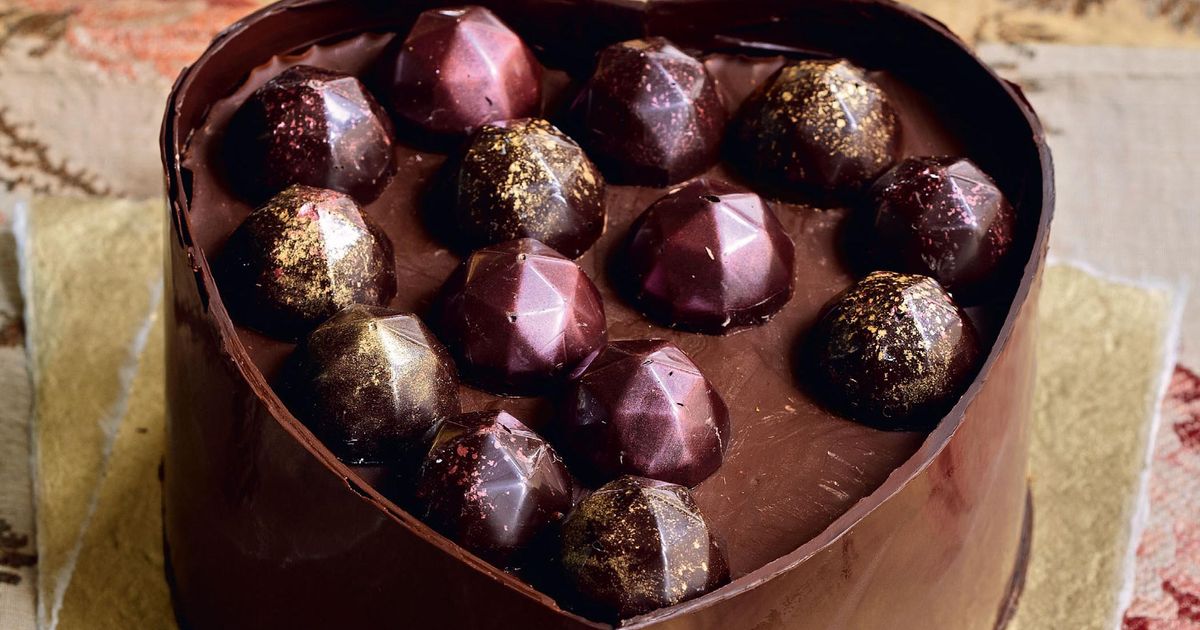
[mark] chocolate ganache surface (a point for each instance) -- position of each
(792, 466)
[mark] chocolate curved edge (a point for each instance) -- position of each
(237, 354)
(1016, 587)
(941, 436)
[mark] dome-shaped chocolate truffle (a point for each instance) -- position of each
(894, 350)
(492, 485)
(459, 68)
(313, 127)
(520, 317)
(636, 545)
(942, 217)
(526, 179)
(816, 127)
(373, 383)
(302, 257)
(643, 408)
(650, 114)
(710, 256)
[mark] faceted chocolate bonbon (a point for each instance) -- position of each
(313, 127)
(816, 126)
(636, 545)
(373, 383)
(492, 485)
(709, 256)
(303, 256)
(460, 68)
(650, 114)
(894, 350)
(526, 179)
(520, 317)
(942, 217)
(644, 408)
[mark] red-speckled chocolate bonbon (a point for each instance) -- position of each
(313, 127)
(942, 217)
(650, 114)
(492, 485)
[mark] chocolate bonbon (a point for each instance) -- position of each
(644, 408)
(313, 127)
(893, 350)
(527, 179)
(942, 217)
(636, 545)
(650, 114)
(373, 383)
(817, 126)
(492, 485)
(303, 256)
(521, 317)
(709, 256)
(458, 69)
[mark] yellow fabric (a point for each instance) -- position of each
(1102, 357)
(94, 299)
(1146, 23)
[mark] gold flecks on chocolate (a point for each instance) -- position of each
(373, 383)
(636, 545)
(302, 257)
(893, 350)
(526, 179)
(817, 125)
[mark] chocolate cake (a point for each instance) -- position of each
(747, 285)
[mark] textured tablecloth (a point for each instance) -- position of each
(81, 91)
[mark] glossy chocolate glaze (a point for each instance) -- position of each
(792, 466)
(643, 408)
(492, 485)
(520, 318)
(709, 257)
(933, 545)
(942, 217)
(650, 114)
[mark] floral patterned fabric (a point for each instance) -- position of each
(1167, 592)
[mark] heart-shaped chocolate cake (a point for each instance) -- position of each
(538, 314)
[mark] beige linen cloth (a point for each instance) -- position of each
(1121, 126)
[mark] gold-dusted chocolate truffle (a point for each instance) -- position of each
(636, 545)
(303, 256)
(816, 127)
(373, 384)
(894, 350)
(526, 179)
